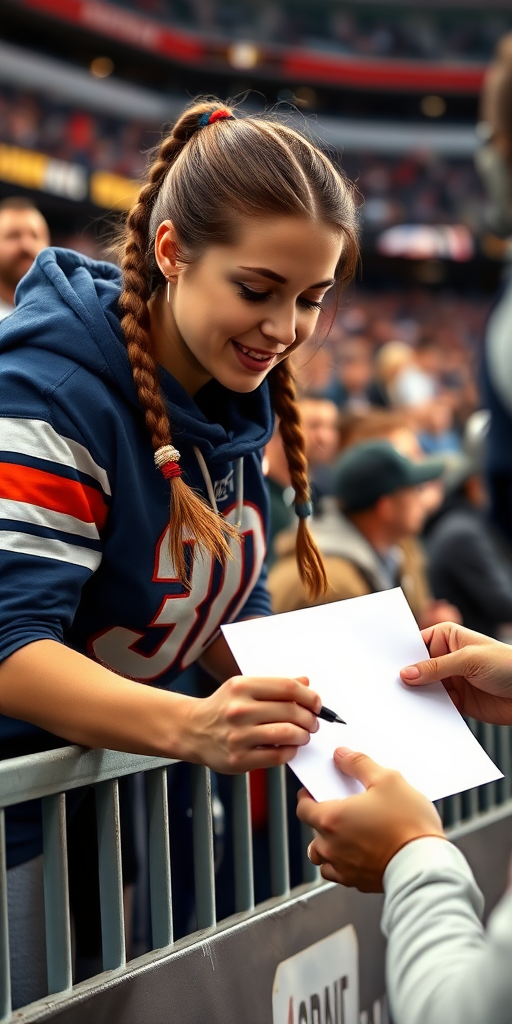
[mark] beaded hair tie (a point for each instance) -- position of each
(216, 115)
(303, 509)
(166, 460)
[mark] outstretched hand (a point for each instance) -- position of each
(358, 837)
(475, 670)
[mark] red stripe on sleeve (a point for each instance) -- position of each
(47, 490)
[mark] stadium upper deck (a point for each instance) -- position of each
(358, 45)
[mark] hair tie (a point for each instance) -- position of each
(303, 509)
(216, 115)
(166, 460)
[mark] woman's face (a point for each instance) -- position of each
(242, 308)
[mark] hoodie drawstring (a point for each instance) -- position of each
(239, 485)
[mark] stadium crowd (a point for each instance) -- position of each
(417, 187)
(423, 34)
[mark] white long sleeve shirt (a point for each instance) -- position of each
(442, 967)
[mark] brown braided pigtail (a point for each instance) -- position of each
(191, 516)
(284, 399)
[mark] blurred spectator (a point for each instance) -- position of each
(391, 361)
(466, 566)
(384, 424)
(320, 423)
(351, 389)
(367, 534)
(314, 368)
(417, 383)
(418, 387)
(495, 163)
(23, 233)
(396, 427)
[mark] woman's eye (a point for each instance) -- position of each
(309, 304)
(251, 294)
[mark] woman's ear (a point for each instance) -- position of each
(167, 252)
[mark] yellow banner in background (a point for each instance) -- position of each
(29, 169)
(111, 190)
(23, 166)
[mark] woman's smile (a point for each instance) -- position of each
(253, 359)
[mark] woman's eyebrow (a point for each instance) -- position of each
(264, 272)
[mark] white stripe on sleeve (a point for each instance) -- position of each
(23, 512)
(45, 547)
(37, 439)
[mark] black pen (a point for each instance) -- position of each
(330, 716)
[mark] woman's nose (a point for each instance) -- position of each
(281, 328)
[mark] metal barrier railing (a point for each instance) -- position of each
(50, 774)
(463, 807)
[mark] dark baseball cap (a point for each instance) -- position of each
(372, 469)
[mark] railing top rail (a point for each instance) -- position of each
(55, 771)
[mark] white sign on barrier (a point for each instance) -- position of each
(319, 985)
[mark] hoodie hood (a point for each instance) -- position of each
(68, 304)
(337, 537)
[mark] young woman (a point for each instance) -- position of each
(116, 389)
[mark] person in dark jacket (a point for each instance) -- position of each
(466, 564)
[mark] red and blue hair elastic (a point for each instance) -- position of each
(217, 115)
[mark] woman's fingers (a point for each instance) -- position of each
(261, 757)
(259, 712)
(275, 734)
(276, 690)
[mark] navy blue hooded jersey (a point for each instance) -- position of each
(84, 513)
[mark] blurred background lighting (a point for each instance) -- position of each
(101, 67)
(304, 96)
(243, 55)
(433, 106)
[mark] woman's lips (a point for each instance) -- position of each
(252, 359)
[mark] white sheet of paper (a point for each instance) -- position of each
(352, 651)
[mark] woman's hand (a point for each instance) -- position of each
(253, 723)
(475, 670)
(358, 837)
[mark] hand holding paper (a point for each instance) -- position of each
(352, 651)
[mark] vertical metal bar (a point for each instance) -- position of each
(439, 805)
(310, 872)
(278, 827)
(456, 803)
(159, 858)
(505, 761)
(474, 805)
(111, 878)
(56, 894)
(489, 791)
(5, 974)
(447, 811)
(242, 839)
(202, 827)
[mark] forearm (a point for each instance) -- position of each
(57, 688)
(219, 661)
(440, 964)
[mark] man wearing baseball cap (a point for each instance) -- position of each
(367, 533)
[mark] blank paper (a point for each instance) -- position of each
(352, 651)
